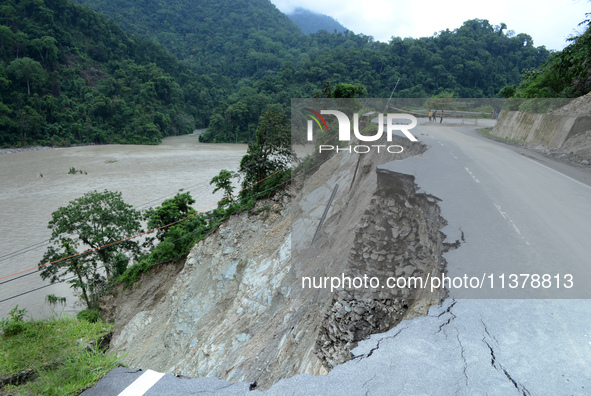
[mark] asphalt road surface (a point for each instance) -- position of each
(519, 216)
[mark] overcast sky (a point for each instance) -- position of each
(549, 22)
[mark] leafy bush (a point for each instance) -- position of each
(89, 315)
(14, 325)
(169, 212)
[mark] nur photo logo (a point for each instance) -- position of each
(391, 125)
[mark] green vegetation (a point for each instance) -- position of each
(14, 325)
(90, 315)
(54, 300)
(70, 75)
(476, 60)
(49, 352)
(171, 211)
(73, 171)
(223, 181)
(487, 132)
(270, 151)
(255, 57)
(97, 221)
(566, 74)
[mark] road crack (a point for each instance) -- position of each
(372, 350)
(367, 382)
(449, 320)
(462, 351)
(498, 366)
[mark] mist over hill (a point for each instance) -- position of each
(312, 22)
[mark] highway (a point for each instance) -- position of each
(517, 213)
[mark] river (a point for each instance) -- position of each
(36, 183)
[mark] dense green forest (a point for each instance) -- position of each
(236, 39)
(566, 74)
(312, 22)
(70, 75)
(477, 60)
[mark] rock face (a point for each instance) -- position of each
(239, 310)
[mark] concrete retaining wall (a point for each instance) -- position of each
(552, 131)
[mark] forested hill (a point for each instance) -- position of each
(475, 60)
(250, 40)
(70, 75)
(312, 22)
(213, 36)
(257, 50)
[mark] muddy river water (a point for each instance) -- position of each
(36, 183)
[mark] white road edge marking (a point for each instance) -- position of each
(142, 384)
(555, 171)
(472, 174)
(506, 217)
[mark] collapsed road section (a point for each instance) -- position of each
(237, 309)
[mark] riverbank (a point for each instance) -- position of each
(24, 149)
(14, 150)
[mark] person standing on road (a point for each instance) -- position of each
(430, 115)
(441, 120)
(434, 115)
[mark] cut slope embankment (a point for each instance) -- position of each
(565, 132)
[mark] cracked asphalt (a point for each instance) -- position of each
(513, 214)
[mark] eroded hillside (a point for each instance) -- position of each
(237, 309)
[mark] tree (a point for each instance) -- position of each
(6, 38)
(27, 69)
(348, 90)
(223, 182)
(341, 91)
(97, 222)
(272, 149)
(46, 46)
(171, 211)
